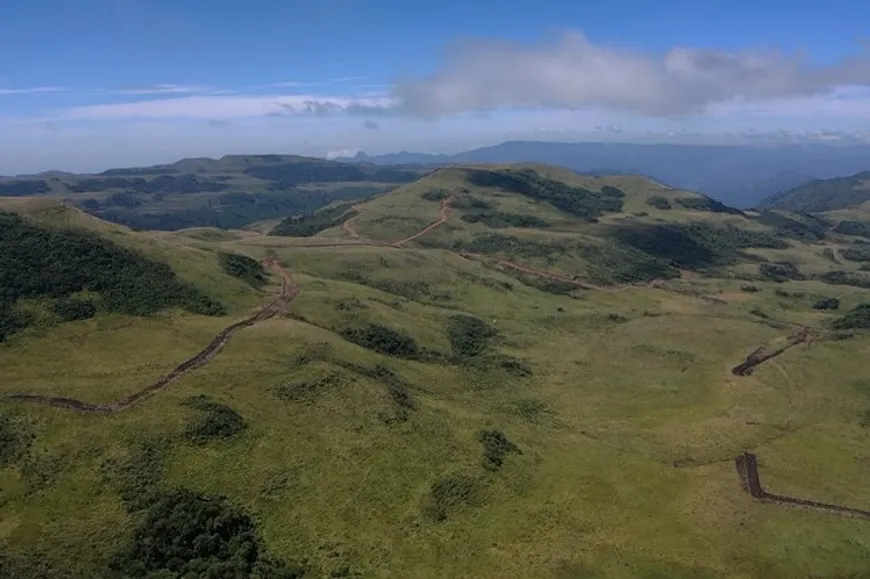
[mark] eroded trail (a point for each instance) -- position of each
(289, 290)
(444, 214)
(764, 353)
(747, 468)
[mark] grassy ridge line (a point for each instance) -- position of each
(289, 290)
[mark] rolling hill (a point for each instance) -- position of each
(823, 195)
(230, 192)
(739, 175)
(491, 371)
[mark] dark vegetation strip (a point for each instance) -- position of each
(289, 290)
(763, 354)
(56, 263)
(308, 224)
(747, 468)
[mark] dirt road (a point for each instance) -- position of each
(765, 353)
(747, 468)
(289, 290)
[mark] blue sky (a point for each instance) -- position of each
(89, 84)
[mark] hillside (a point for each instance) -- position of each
(493, 371)
(822, 195)
(230, 192)
(738, 175)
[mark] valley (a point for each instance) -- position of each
(486, 371)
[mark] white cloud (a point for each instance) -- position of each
(32, 90)
(227, 107)
(157, 89)
(571, 72)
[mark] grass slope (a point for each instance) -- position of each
(415, 413)
(823, 195)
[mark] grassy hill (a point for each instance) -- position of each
(822, 195)
(230, 192)
(493, 371)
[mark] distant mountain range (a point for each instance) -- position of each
(738, 175)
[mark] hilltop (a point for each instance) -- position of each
(739, 175)
(822, 195)
(230, 192)
(490, 371)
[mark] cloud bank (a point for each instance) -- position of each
(571, 72)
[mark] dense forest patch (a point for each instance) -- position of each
(695, 245)
(36, 261)
(577, 201)
(184, 534)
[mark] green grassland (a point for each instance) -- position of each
(372, 431)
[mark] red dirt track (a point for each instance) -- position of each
(747, 468)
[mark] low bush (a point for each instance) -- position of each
(846, 278)
(468, 335)
(383, 339)
(15, 438)
(499, 219)
(214, 421)
(435, 195)
(750, 288)
(856, 319)
(780, 271)
(658, 202)
(496, 447)
(243, 267)
(827, 304)
(857, 253)
(70, 309)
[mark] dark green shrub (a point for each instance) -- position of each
(468, 335)
(856, 253)
(856, 319)
(308, 389)
(780, 271)
(243, 267)
(435, 195)
(576, 201)
(658, 202)
(703, 203)
(827, 304)
(383, 339)
(309, 224)
(859, 228)
(184, 535)
(137, 473)
(70, 309)
(500, 220)
(15, 438)
(846, 278)
(214, 421)
(496, 447)
(749, 288)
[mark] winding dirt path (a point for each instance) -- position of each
(747, 468)
(289, 290)
(348, 223)
(443, 215)
(802, 335)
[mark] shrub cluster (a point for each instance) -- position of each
(243, 267)
(215, 421)
(468, 335)
(496, 447)
(383, 339)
